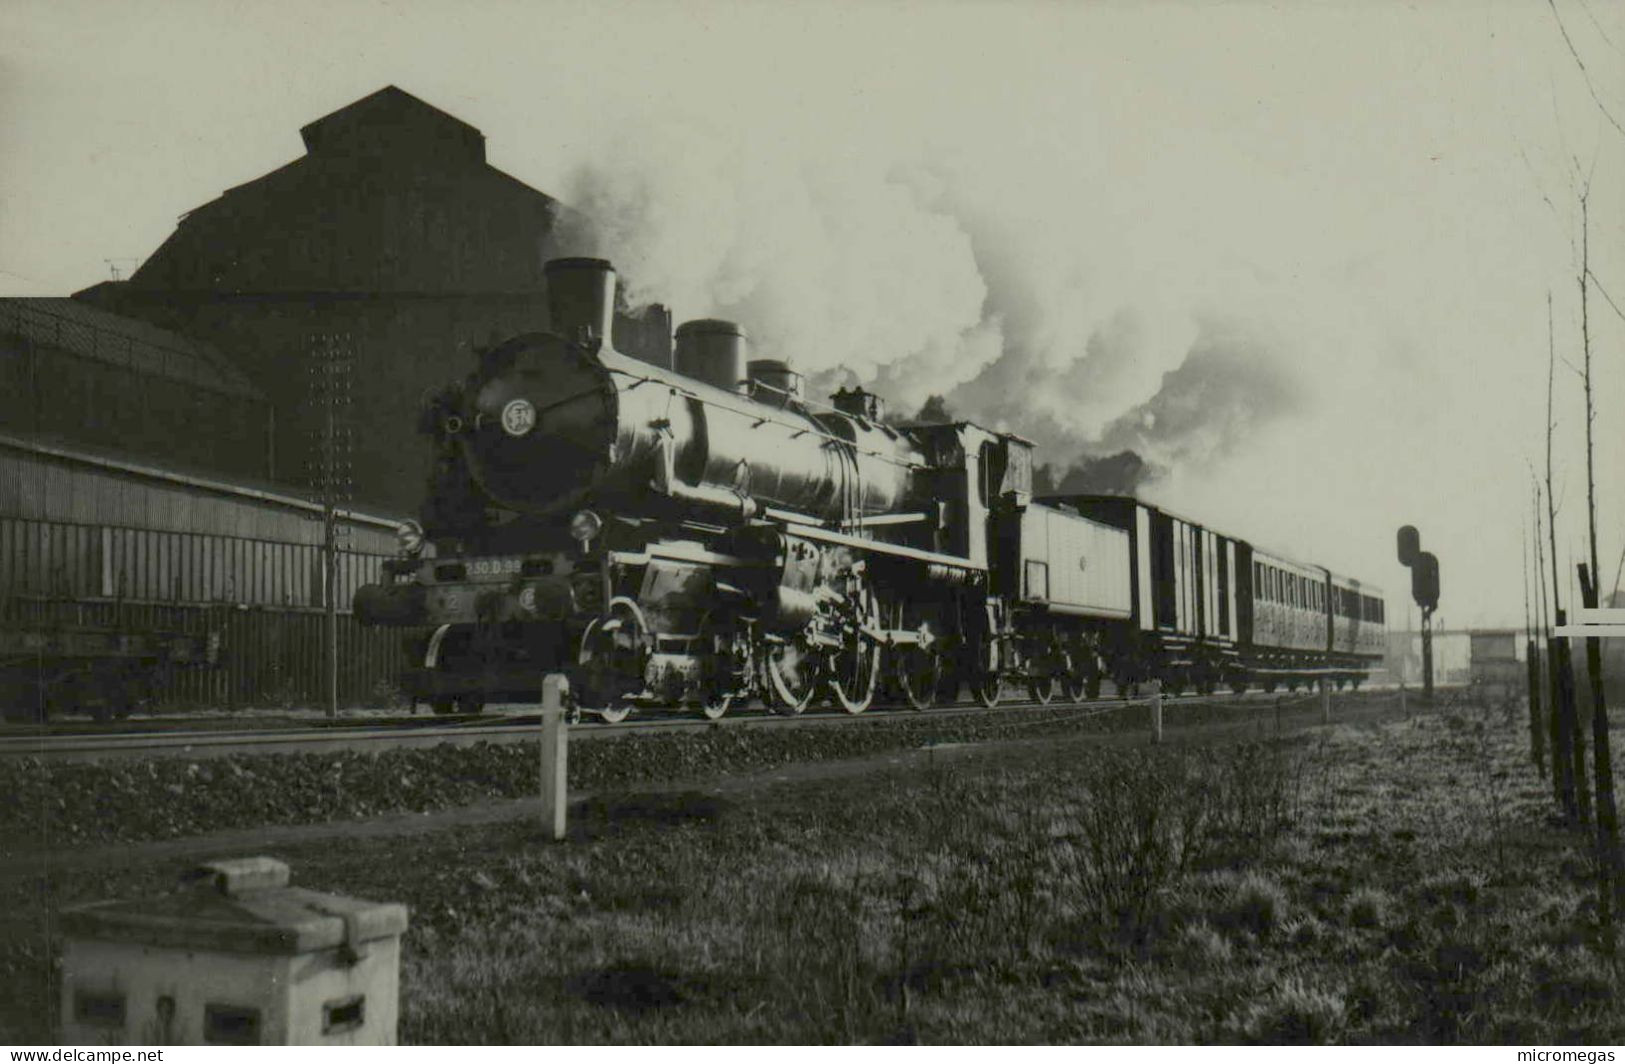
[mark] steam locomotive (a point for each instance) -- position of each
(703, 535)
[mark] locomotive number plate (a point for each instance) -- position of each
(518, 417)
(493, 566)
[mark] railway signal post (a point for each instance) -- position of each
(555, 754)
(1424, 567)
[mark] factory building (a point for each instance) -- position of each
(160, 435)
(392, 245)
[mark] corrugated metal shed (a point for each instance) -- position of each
(88, 539)
(48, 482)
(122, 341)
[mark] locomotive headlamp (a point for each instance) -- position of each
(585, 526)
(409, 537)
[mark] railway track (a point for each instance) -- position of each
(95, 746)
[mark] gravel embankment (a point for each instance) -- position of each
(49, 805)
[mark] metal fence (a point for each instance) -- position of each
(268, 656)
(263, 598)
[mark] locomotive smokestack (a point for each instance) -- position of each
(580, 297)
(712, 351)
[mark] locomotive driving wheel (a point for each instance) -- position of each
(794, 670)
(916, 667)
(855, 664)
(918, 671)
(988, 687)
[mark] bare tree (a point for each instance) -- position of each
(1569, 772)
(1608, 863)
(1532, 672)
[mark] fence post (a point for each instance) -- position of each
(1537, 734)
(1404, 710)
(1325, 700)
(555, 753)
(1156, 711)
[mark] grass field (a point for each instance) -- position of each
(1396, 880)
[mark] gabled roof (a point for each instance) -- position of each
(72, 326)
(394, 109)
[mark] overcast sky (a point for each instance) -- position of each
(1295, 256)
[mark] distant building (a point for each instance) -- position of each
(76, 375)
(1494, 656)
(392, 235)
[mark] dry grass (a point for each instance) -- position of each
(1396, 881)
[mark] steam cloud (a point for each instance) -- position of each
(858, 274)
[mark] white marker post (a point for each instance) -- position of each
(555, 753)
(1325, 700)
(1156, 711)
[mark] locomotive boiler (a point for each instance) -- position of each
(703, 533)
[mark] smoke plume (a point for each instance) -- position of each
(1115, 361)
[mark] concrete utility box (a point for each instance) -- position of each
(240, 958)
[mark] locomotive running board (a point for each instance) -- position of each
(896, 550)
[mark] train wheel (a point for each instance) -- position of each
(615, 649)
(988, 689)
(855, 667)
(728, 666)
(471, 705)
(715, 707)
(918, 674)
(1044, 688)
(444, 707)
(1081, 681)
(792, 676)
(1238, 685)
(1270, 685)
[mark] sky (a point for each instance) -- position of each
(1294, 257)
